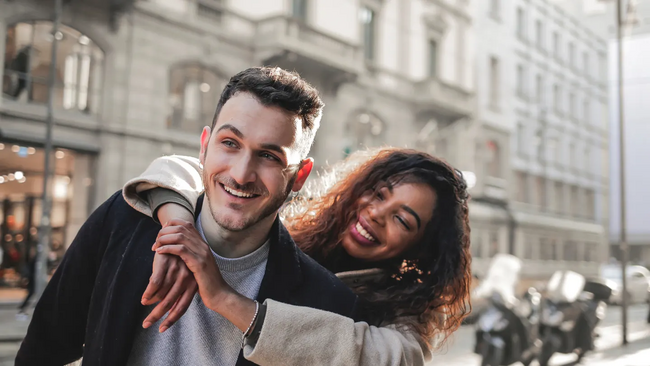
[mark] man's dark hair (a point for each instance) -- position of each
(273, 86)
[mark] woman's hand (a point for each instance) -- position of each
(181, 239)
(171, 283)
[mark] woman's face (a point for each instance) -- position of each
(391, 220)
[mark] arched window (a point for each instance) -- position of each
(364, 130)
(194, 91)
(79, 66)
(493, 159)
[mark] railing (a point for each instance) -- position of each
(33, 89)
(275, 28)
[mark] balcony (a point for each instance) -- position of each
(435, 95)
(293, 44)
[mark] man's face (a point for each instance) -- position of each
(251, 162)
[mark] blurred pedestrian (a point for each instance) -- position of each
(29, 274)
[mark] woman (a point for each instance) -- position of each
(393, 224)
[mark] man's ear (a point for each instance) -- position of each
(205, 139)
(306, 167)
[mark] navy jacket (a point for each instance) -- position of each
(91, 307)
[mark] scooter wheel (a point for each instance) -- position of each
(546, 354)
(492, 357)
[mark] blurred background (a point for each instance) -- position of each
(521, 95)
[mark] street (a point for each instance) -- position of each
(608, 350)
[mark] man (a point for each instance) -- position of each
(253, 156)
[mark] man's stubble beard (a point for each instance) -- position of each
(271, 208)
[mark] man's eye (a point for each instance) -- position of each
(269, 157)
(229, 143)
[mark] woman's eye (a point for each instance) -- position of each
(380, 196)
(403, 222)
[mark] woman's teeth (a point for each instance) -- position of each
(237, 193)
(364, 233)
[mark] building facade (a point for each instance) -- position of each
(543, 107)
(601, 18)
(138, 79)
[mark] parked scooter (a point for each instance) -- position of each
(507, 329)
(570, 313)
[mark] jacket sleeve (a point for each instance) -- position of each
(178, 173)
(296, 335)
(56, 333)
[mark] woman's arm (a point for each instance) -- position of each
(178, 173)
(296, 335)
(288, 334)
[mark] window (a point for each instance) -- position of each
(540, 190)
(559, 198)
(433, 58)
(572, 105)
(522, 187)
(557, 98)
(521, 25)
(585, 63)
(572, 156)
(587, 166)
(521, 139)
(572, 54)
(590, 204)
(299, 9)
(570, 251)
(366, 130)
(194, 93)
(476, 243)
(494, 8)
(494, 82)
(574, 201)
(586, 115)
(493, 159)
(556, 44)
(548, 249)
(539, 33)
(539, 87)
(521, 81)
(367, 17)
(79, 70)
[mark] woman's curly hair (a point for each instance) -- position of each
(427, 287)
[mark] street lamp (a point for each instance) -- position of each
(46, 201)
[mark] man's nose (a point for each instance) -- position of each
(243, 170)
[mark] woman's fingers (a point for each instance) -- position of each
(165, 305)
(180, 307)
(158, 282)
(182, 251)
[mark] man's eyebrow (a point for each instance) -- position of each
(412, 212)
(273, 147)
(232, 129)
(264, 146)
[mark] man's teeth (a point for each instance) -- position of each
(364, 233)
(237, 193)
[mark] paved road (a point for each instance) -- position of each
(459, 352)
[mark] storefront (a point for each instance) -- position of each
(21, 188)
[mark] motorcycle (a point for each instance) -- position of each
(570, 313)
(507, 329)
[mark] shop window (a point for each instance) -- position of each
(79, 66)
